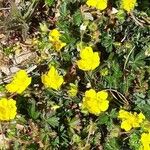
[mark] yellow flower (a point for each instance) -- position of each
(54, 36)
(7, 109)
(130, 120)
(145, 140)
(73, 90)
(128, 5)
(52, 79)
(58, 44)
(89, 59)
(99, 4)
(19, 83)
(94, 102)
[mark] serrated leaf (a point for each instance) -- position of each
(32, 111)
(53, 121)
(111, 144)
(103, 119)
(77, 18)
(134, 141)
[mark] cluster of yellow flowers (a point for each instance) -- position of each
(130, 120)
(19, 83)
(145, 140)
(94, 102)
(127, 5)
(8, 106)
(89, 59)
(52, 79)
(54, 37)
(7, 109)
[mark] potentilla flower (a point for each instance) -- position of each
(98, 4)
(89, 59)
(94, 102)
(52, 79)
(145, 140)
(19, 83)
(58, 44)
(7, 109)
(54, 37)
(128, 5)
(130, 120)
(54, 34)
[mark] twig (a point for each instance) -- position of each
(121, 96)
(5, 8)
(147, 20)
(124, 37)
(128, 58)
(136, 21)
(12, 95)
(115, 96)
(30, 69)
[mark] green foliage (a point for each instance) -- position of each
(32, 111)
(51, 119)
(142, 104)
(112, 144)
(77, 18)
(134, 141)
(49, 2)
(107, 42)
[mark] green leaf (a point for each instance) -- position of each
(134, 141)
(33, 146)
(113, 114)
(142, 104)
(49, 2)
(77, 18)
(107, 41)
(63, 9)
(103, 119)
(137, 61)
(74, 123)
(111, 144)
(53, 121)
(32, 111)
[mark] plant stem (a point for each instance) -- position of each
(31, 9)
(128, 58)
